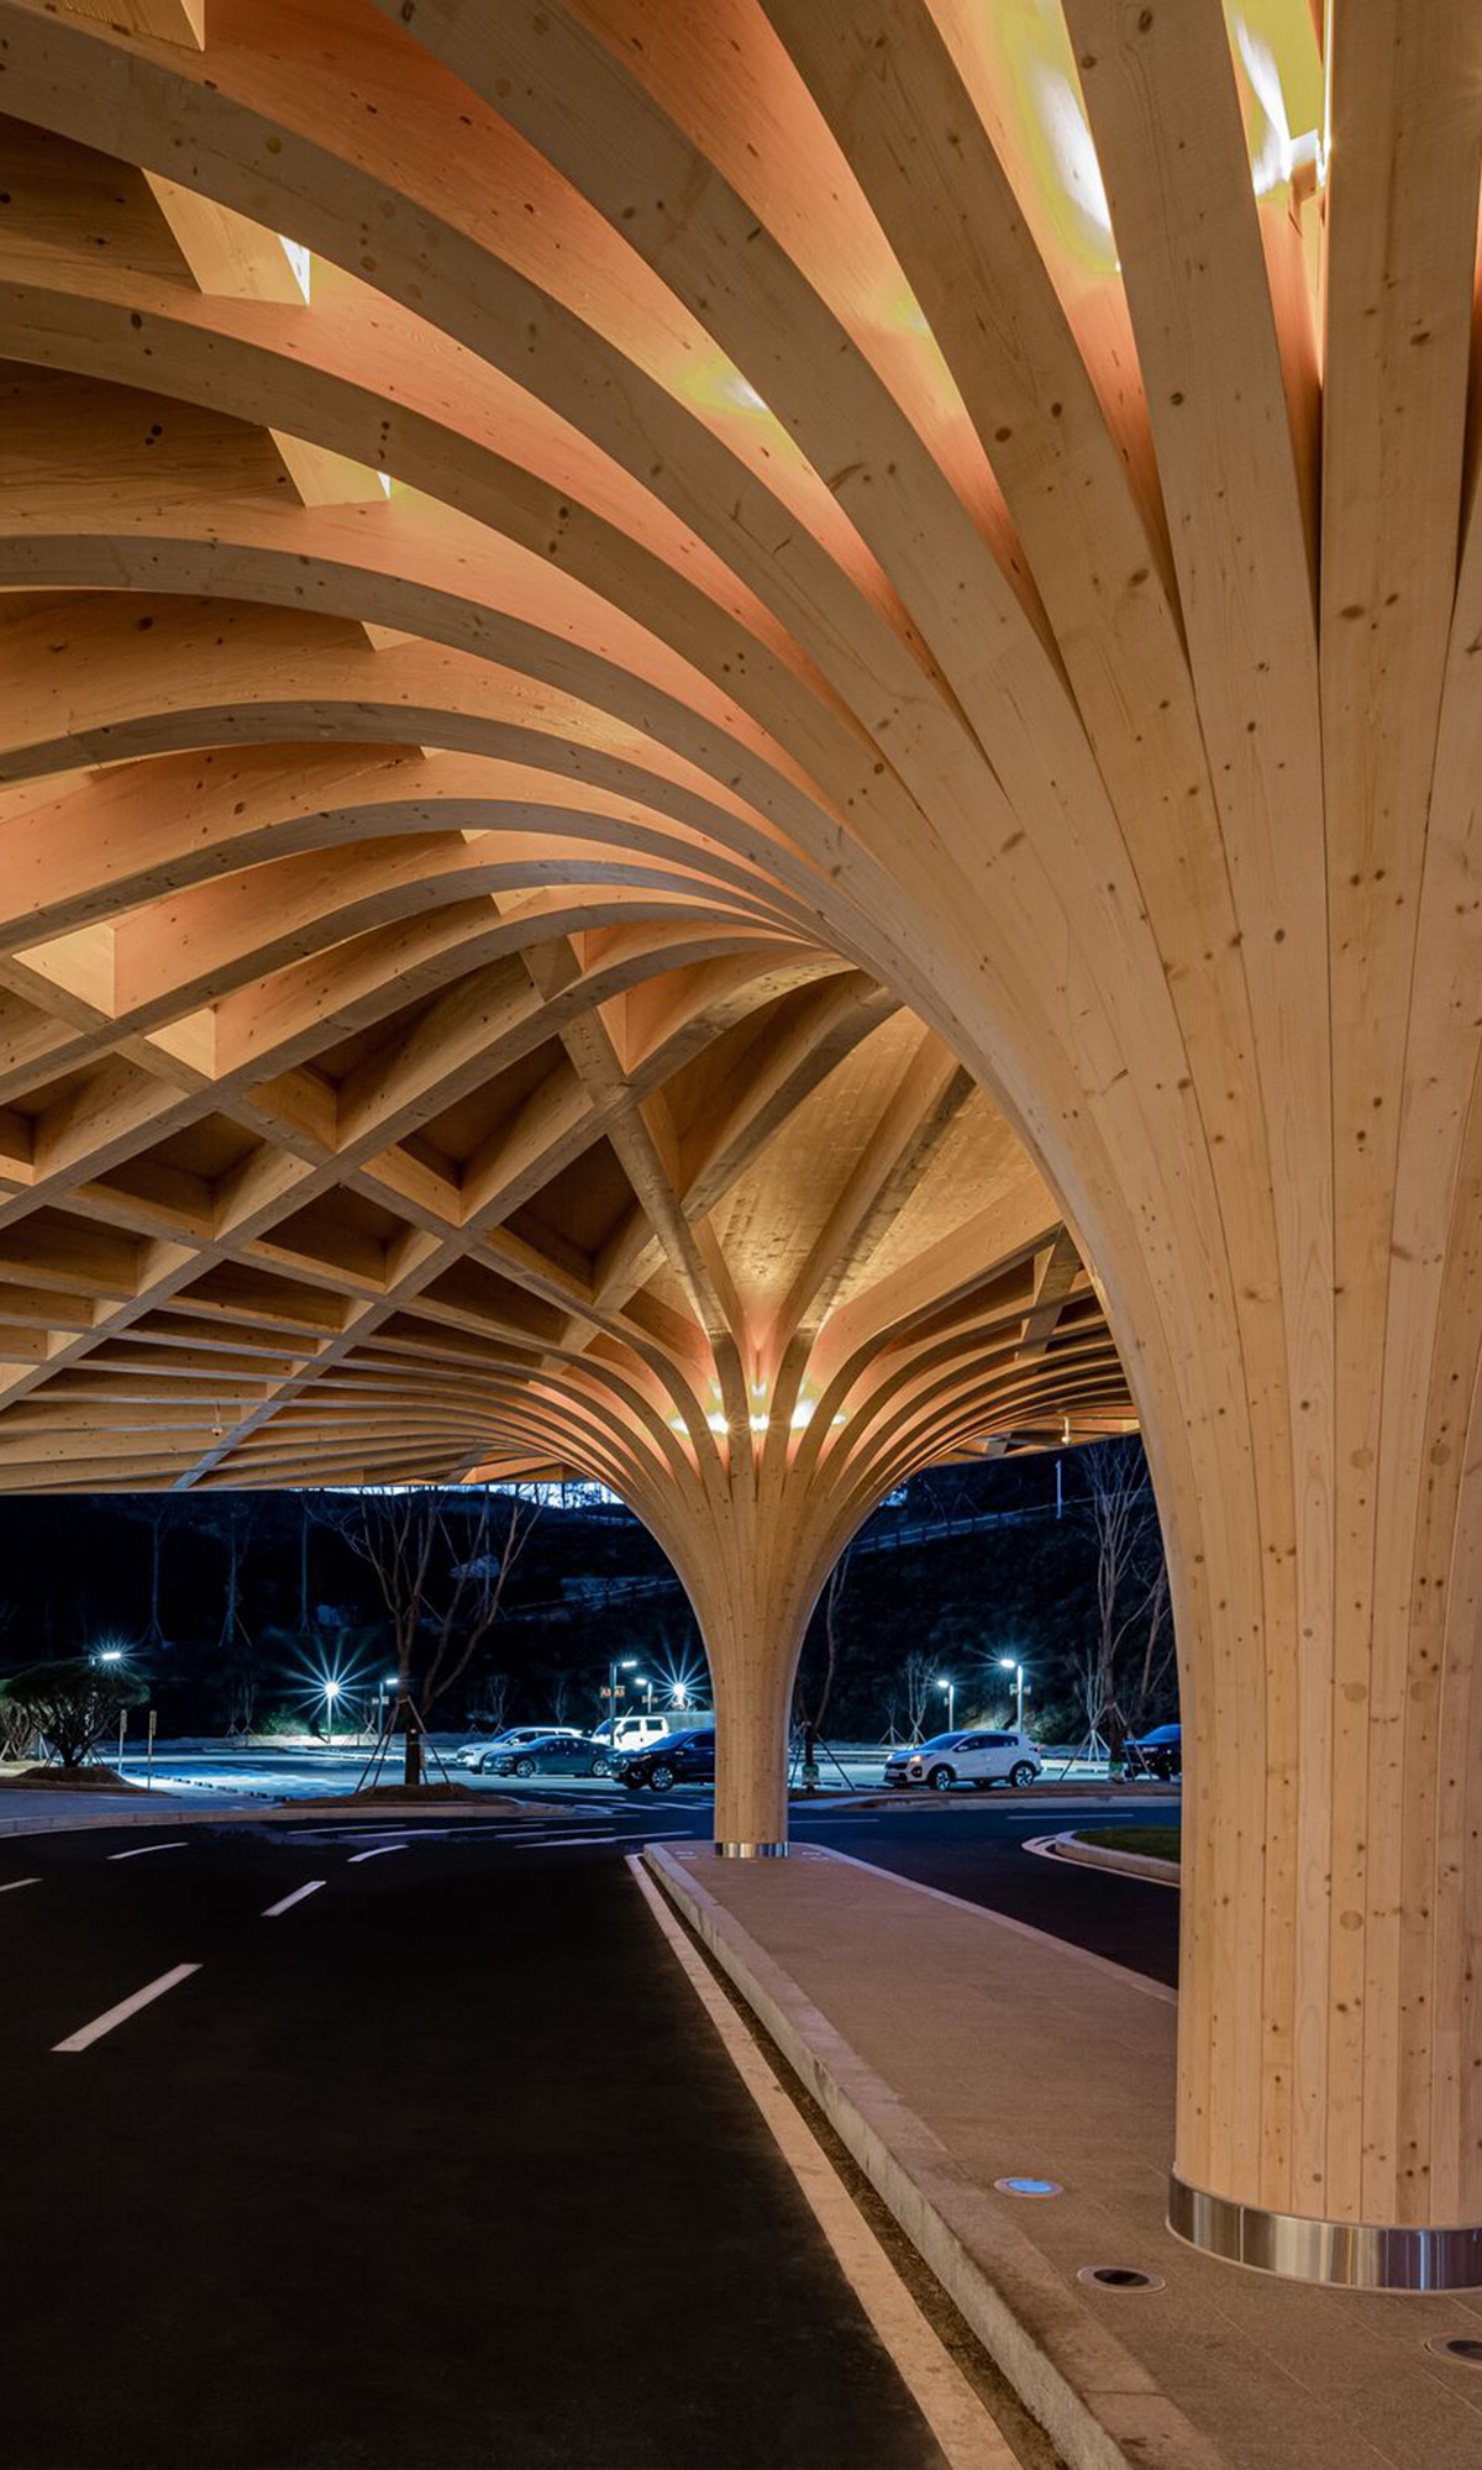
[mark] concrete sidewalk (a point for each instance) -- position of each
(951, 2047)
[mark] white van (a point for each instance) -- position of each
(639, 1732)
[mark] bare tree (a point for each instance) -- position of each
(230, 1519)
(1158, 1648)
(916, 1679)
(1131, 1588)
(491, 1699)
(235, 1522)
(306, 1516)
(441, 1576)
(560, 1697)
(812, 1707)
(19, 1733)
(154, 1510)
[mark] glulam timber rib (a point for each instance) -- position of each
(790, 784)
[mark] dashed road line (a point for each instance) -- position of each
(375, 1853)
(9, 1885)
(114, 2016)
(138, 1851)
(287, 1902)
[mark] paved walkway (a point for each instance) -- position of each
(954, 2047)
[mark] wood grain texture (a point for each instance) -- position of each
(873, 853)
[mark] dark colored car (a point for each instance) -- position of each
(1159, 1755)
(556, 1753)
(685, 1758)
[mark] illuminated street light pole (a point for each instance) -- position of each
(627, 1664)
(1006, 1663)
(951, 1689)
(331, 1693)
(115, 1655)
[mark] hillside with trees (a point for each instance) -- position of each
(494, 1607)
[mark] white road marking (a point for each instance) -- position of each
(969, 2437)
(556, 1843)
(140, 1850)
(375, 1853)
(10, 1884)
(126, 2007)
(287, 1902)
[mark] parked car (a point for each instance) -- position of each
(550, 1753)
(979, 1758)
(477, 1754)
(683, 1758)
(1159, 1756)
(640, 1732)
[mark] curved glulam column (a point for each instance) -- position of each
(755, 1480)
(888, 494)
(752, 1567)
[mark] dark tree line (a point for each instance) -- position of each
(468, 1609)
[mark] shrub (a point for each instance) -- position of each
(71, 1703)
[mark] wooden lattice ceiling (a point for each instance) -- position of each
(435, 1038)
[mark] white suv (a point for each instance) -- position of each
(980, 1758)
(637, 1732)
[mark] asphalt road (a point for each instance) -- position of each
(439, 2165)
(967, 1844)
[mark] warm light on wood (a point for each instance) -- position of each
(888, 802)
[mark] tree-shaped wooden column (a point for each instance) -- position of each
(754, 1481)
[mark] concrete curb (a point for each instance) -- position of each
(918, 1797)
(1097, 2403)
(170, 1814)
(163, 1814)
(1108, 1857)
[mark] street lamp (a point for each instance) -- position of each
(640, 1683)
(627, 1663)
(1006, 1663)
(331, 1693)
(951, 1689)
(115, 1655)
(391, 1682)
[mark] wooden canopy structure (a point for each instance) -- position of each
(695, 694)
